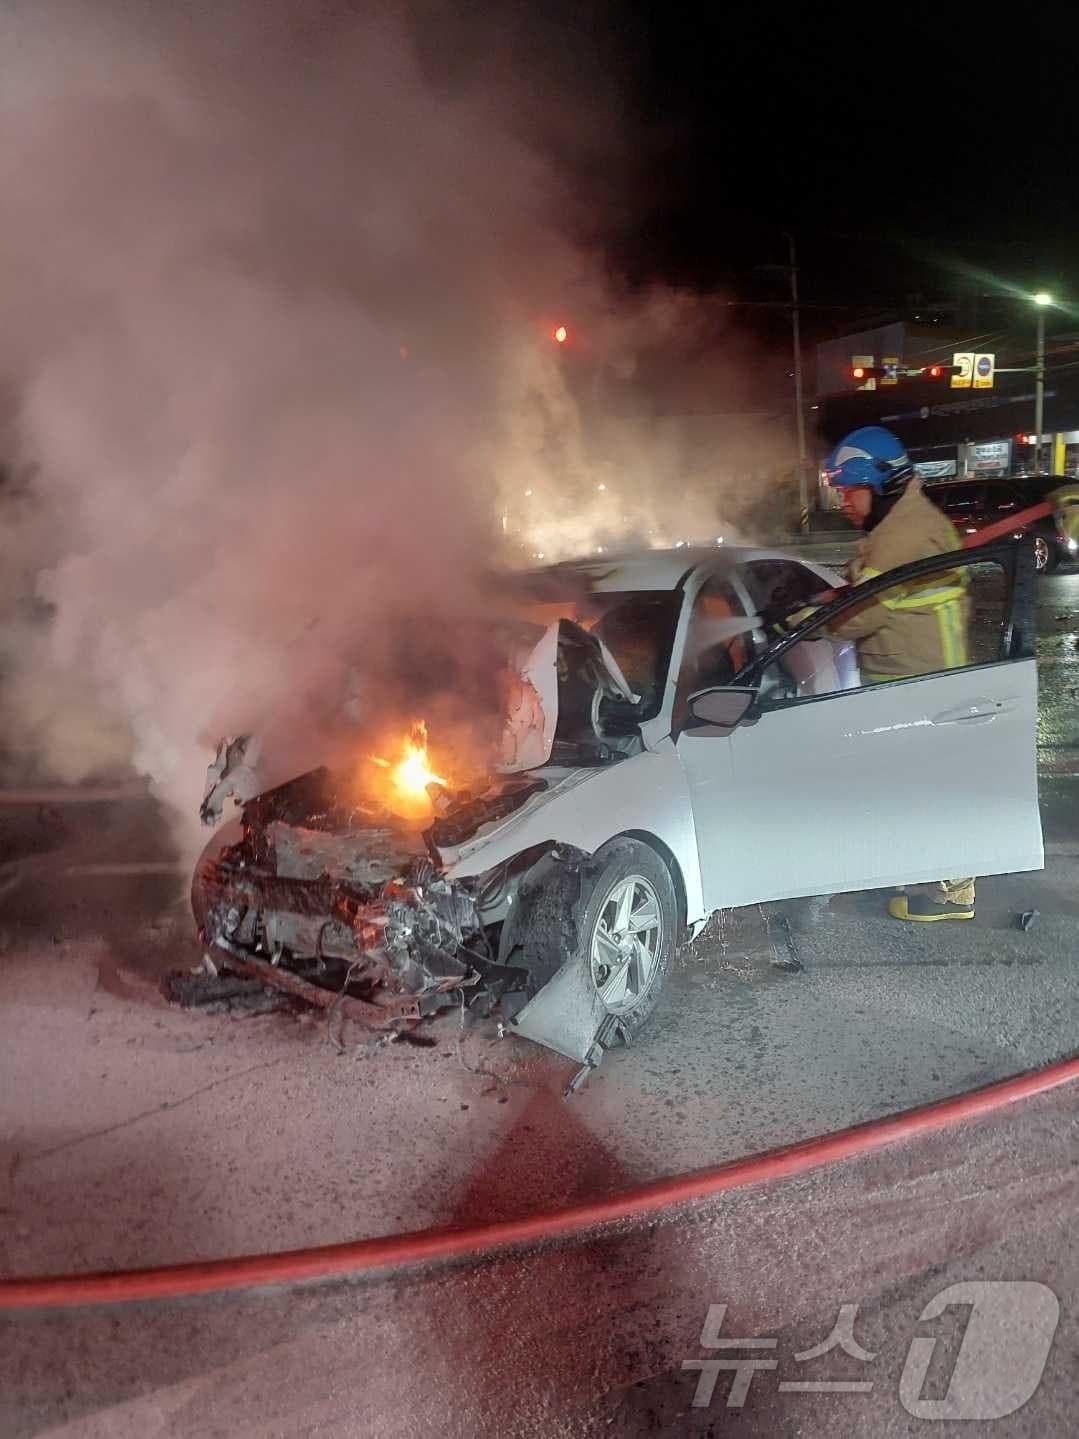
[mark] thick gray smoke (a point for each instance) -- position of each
(274, 317)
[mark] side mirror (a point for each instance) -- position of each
(721, 709)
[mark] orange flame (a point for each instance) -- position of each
(409, 777)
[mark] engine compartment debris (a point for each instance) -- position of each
(348, 908)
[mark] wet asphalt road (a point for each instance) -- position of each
(1058, 675)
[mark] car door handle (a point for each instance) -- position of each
(973, 712)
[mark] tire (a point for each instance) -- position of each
(622, 868)
(1046, 557)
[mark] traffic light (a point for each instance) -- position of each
(894, 372)
(560, 335)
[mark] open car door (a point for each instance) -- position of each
(911, 780)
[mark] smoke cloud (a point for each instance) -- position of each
(276, 308)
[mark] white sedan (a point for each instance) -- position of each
(679, 750)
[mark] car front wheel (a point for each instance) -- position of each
(628, 930)
(1045, 555)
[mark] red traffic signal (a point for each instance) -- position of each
(895, 371)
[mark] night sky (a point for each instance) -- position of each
(894, 140)
(907, 146)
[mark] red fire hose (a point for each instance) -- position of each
(1009, 524)
(371, 1256)
(985, 536)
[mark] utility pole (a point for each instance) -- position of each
(799, 402)
(1041, 301)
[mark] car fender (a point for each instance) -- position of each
(646, 795)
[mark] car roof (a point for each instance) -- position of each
(1039, 483)
(663, 569)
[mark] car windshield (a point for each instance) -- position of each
(637, 626)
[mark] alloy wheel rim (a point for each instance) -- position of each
(626, 944)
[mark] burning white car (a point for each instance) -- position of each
(670, 750)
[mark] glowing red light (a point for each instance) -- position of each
(561, 334)
(858, 373)
(935, 371)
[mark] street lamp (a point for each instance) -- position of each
(1042, 301)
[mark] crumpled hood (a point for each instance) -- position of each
(532, 708)
(548, 786)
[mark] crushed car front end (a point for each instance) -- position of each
(337, 905)
(325, 892)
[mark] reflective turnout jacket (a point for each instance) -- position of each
(1066, 500)
(921, 626)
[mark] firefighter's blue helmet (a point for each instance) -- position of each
(870, 456)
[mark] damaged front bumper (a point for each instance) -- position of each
(339, 911)
(387, 959)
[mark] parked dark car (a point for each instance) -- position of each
(972, 504)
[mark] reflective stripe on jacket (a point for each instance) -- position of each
(918, 627)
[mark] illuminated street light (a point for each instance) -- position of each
(1042, 298)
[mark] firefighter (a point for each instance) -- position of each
(918, 629)
(1066, 502)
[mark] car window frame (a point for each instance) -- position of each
(1018, 632)
(998, 487)
(683, 690)
(937, 492)
(975, 486)
(814, 583)
(644, 711)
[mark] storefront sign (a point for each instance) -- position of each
(934, 468)
(991, 458)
